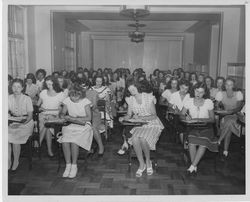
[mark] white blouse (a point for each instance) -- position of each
(176, 100)
(199, 112)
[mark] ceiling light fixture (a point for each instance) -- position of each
(135, 13)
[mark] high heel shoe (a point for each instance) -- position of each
(140, 171)
(192, 170)
(150, 169)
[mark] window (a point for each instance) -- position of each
(16, 52)
(70, 57)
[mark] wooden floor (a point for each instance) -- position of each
(109, 175)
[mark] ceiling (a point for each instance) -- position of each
(151, 26)
(155, 22)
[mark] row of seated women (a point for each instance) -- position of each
(141, 105)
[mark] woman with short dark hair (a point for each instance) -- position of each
(31, 89)
(199, 107)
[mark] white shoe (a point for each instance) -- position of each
(121, 152)
(73, 171)
(67, 170)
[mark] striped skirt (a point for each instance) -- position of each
(150, 132)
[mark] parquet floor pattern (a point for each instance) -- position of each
(109, 175)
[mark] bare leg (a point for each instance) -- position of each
(16, 153)
(200, 152)
(181, 137)
(224, 132)
(42, 134)
(146, 150)
(9, 155)
(227, 141)
(74, 152)
(66, 152)
(98, 139)
(49, 142)
(138, 151)
(192, 152)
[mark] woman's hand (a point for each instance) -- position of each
(188, 118)
(67, 118)
(15, 125)
(136, 116)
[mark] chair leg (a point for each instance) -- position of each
(59, 156)
(30, 153)
(39, 149)
(129, 158)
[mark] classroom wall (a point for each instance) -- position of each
(202, 45)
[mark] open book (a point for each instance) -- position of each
(137, 121)
(16, 119)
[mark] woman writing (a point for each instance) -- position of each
(76, 110)
(141, 106)
(200, 108)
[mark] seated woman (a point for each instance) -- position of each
(92, 95)
(64, 85)
(177, 101)
(79, 132)
(232, 126)
(210, 86)
(232, 102)
(104, 93)
(40, 75)
(18, 133)
(200, 108)
(172, 88)
(49, 102)
(219, 86)
(31, 89)
(193, 79)
(141, 106)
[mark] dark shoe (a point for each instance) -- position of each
(51, 157)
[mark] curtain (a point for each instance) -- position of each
(16, 52)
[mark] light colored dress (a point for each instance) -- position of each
(81, 135)
(203, 137)
(18, 108)
(176, 100)
(229, 103)
(150, 131)
(52, 103)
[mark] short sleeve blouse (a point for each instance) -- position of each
(51, 102)
(167, 94)
(143, 109)
(199, 112)
(76, 109)
(20, 107)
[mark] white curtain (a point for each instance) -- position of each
(16, 52)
